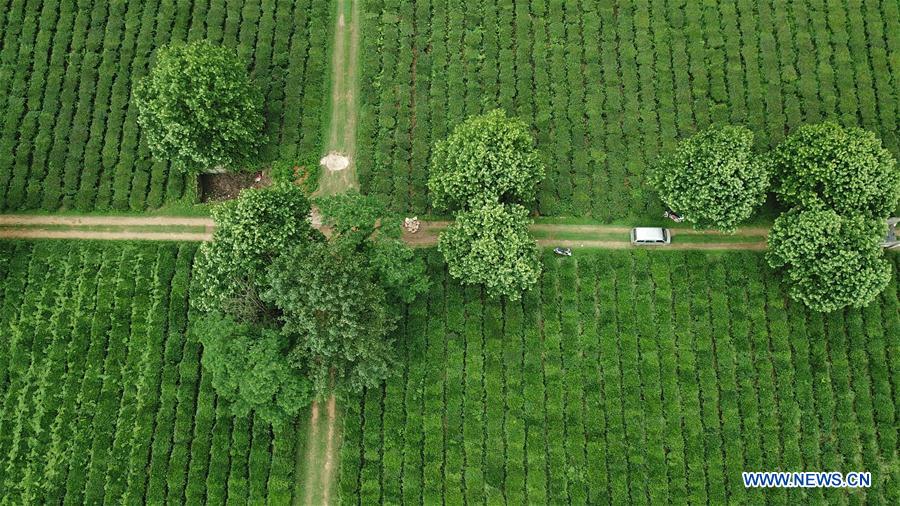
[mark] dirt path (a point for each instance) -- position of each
(124, 228)
(124, 221)
(135, 228)
(309, 466)
(332, 443)
(751, 238)
(613, 229)
(317, 456)
(93, 235)
(344, 92)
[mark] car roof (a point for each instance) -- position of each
(649, 234)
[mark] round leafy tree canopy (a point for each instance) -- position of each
(713, 178)
(251, 231)
(832, 167)
(335, 313)
(198, 107)
(247, 367)
(491, 245)
(487, 158)
(830, 261)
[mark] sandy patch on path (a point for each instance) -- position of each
(335, 161)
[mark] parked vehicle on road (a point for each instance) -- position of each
(563, 252)
(650, 236)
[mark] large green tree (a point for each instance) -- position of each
(199, 109)
(830, 261)
(365, 225)
(491, 246)
(248, 367)
(251, 231)
(488, 158)
(714, 179)
(336, 314)
(832, 167)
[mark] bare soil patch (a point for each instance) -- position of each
(227, 185)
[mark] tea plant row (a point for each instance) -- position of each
(628, 377)
(103, 400)
(69, 137)
(608, 86)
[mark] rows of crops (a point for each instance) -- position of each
(629, 377)
(609, 85)
(102, 395)
(69, 137)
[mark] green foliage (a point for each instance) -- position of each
(831, 261)
(304, 173)
(608, 87)
(364, 224)
(335, 314)
(491, 246)
(398, 269)
(199, 109)
(332, 303)
(844, 169)
(103, 399)
(488, 158)
(355, 218)
(248, 368)
(713, 178)
(540, 401)
(251, 231)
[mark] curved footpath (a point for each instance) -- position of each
(184, 228)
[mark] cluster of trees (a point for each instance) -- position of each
(483, 172)
(838, 183)
(286, 312)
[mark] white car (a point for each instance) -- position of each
(650, 236)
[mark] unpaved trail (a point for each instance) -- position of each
(424, 239)
(755, 237)
(614, 229)
(124, 221)
(141, 228)
(344, 93)
(134, 228)
(93, 235)
(332, 443)
(309, 467)
(321, 460)
(318, 459)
